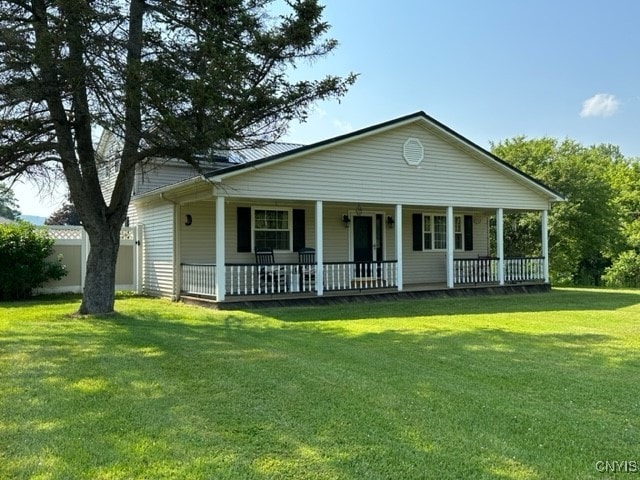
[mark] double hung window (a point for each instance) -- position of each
(435, 232)
(272, 228)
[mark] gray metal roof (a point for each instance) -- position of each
(237, 154)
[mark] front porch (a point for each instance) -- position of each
(250, 281)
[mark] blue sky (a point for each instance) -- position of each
(490, 70)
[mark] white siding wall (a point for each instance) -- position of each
(157, 246)
(430, 266)
(108, 177)
(156, 175)
(373, 170)
(198, 240)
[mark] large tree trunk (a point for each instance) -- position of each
(100, 281)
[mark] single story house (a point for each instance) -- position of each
(402, 205)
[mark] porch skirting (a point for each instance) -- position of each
(365, 296)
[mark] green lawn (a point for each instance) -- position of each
(516, 386)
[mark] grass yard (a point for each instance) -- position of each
(519, 386)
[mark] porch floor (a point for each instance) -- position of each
(411, 291)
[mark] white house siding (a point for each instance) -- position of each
(198, 243)
(373, 170)
(108, 177)
(431, 266)
(231, 232)
(198, 240)
(158, 248)
(159, 174)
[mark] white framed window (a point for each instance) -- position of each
(435, 232)
(272, 228)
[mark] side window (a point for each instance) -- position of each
(272, 228)
(435, 232)
(439, 232)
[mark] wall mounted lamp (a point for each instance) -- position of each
(346, 221)
(390, 221)
(188, 219)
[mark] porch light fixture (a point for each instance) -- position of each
(188, 219)
(390, 221)
(346, 221)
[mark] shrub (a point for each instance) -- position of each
(625, 271)
(24, 264)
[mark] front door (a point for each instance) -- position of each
(363, 244)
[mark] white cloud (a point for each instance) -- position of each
(600, 105)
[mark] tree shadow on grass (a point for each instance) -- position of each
(139, 397)
(555, 301)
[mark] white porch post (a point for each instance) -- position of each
(319, 250)
(399, 247)
(450, 247)
(545, 244)
(84, 254)
(500, 243)
(139, 258)
(221, 280)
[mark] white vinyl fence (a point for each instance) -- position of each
(73, 244)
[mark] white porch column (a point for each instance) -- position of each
(545, 244)
(450, 247)
(399, 277)
(139, 258)
(500, 243)
(221, 280)
(319, 250)
(84, 255)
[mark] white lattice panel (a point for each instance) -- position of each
(64, 233)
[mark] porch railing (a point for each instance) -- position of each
(252, 279)
(524, 269)
(486, 270)
(475, 270)
(199, 279)
(360, 275)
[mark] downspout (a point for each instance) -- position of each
(177, 272)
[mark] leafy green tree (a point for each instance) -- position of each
(8, 203)
(65, 215)
(625, 179)
(625, 270)
(583, 232)
(170, 78)
(24, 260)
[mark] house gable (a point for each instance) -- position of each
(412, 162)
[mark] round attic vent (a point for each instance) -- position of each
(413, 151)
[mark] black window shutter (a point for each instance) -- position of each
(417, 231)
(468, 233)
(298, 229)
(244, 229)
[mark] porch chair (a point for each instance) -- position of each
(307, 269)
(271, 278)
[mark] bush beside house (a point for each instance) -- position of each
(24, 260)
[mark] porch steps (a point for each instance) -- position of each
(345, 297)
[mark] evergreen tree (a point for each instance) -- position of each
(170, 78)
(8, 203)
